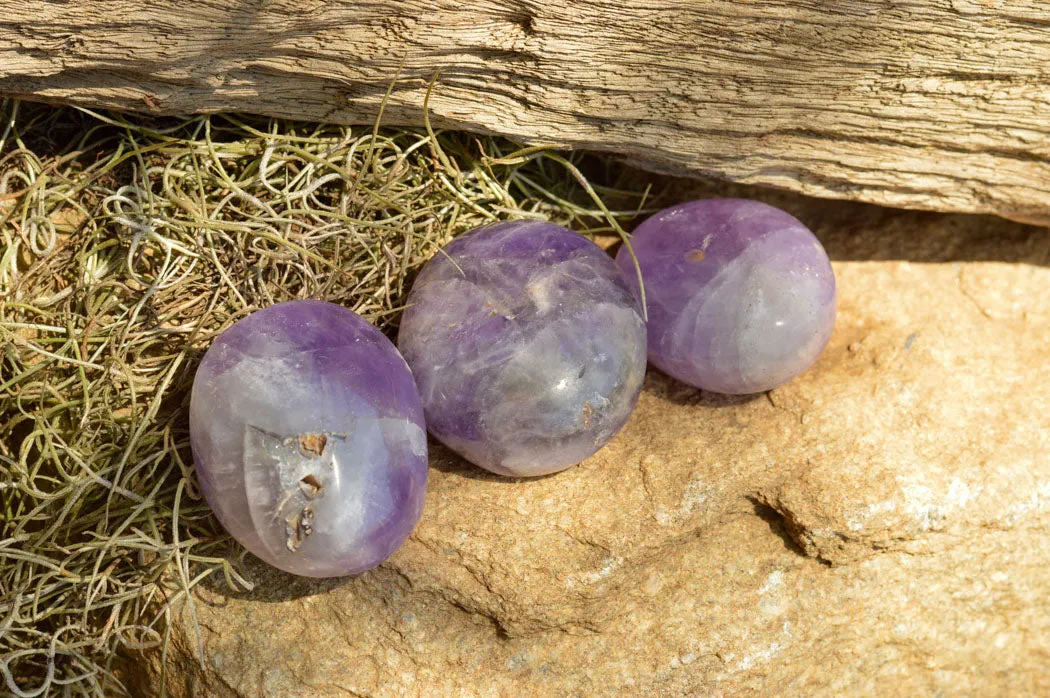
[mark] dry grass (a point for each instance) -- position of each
(126, 245)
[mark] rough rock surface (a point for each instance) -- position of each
(879, 526)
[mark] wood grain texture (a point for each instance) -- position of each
(934, 104)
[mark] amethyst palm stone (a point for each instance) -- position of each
(308, 439)
(527, 346)
(740, 295)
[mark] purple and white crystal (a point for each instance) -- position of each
(308, 439)
(740, 295)
(527, 346)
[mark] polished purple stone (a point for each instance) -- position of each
(740, 295)
(308, 439)
(527, 346)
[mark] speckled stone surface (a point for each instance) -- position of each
(740, 295)
(527, 346)
(308, 439)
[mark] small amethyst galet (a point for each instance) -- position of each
(308, 439)
(527, 346)
(740, 295)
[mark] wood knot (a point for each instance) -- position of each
(526, 20)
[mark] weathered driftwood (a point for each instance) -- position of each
(939, 104)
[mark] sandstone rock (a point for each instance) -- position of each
(879, 526)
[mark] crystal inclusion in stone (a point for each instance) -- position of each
(308, 439)
(527, 346)
(740, 295)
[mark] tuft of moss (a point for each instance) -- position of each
(126, 245)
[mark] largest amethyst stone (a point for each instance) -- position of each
(308, 439)
(527, 346)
